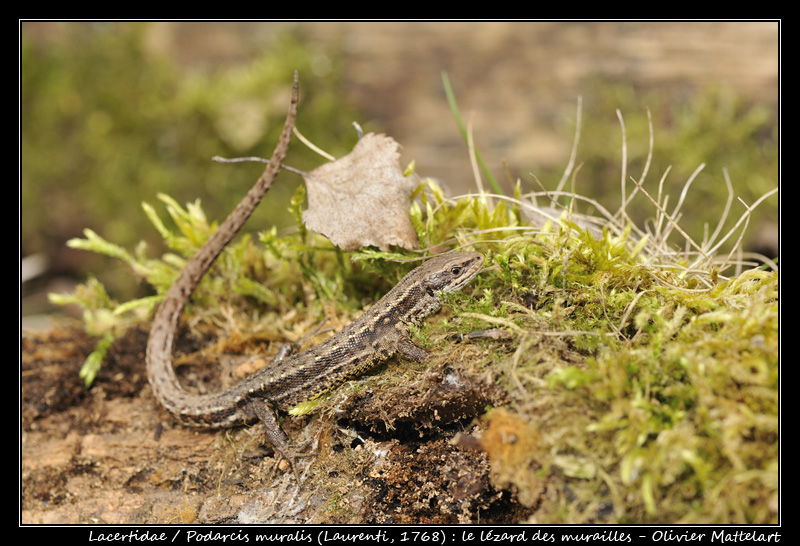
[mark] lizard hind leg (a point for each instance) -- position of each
(275, 434)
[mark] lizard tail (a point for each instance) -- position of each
(184, 405)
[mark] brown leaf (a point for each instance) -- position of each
(363, 198)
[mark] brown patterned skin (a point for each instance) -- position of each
(378, 334)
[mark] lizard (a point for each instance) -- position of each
(375, 336)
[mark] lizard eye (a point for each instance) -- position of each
(456, 270)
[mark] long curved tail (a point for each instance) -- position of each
(192, 408)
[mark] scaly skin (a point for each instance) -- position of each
(375, 336)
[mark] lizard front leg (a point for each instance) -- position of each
(410, 350)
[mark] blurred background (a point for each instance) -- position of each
(113, 113)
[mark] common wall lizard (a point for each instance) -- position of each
(376, 335)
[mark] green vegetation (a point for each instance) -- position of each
(701, 135)
(643, 373)
(651, 385)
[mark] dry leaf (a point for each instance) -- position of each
(363, 198)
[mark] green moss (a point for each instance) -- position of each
(675, 392)
(646, 377)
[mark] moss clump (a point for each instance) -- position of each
(642, 379)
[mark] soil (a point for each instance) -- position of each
(381, 454)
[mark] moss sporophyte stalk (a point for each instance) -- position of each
(638, 365)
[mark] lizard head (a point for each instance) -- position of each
(450, 272)
(417, 295)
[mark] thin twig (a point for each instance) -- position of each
(220, 159)
(686, 189)
(574, 152)
(741, 219)
(624, 166)
(473, 160)
(670, 220)
(312, 146)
